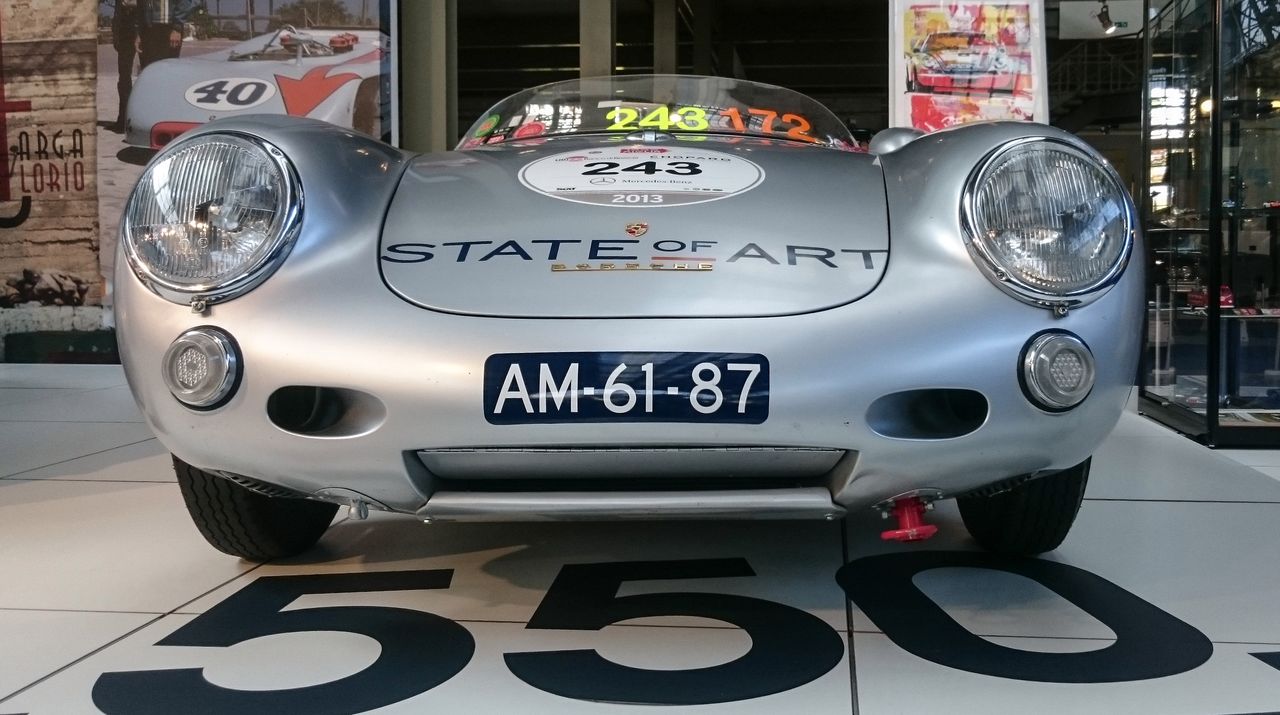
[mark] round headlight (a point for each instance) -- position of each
(1048, 222)
(211, 217)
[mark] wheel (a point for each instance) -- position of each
(1031, 518)
(247, 524)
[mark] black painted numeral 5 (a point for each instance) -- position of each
(419, 650)
(789, 647)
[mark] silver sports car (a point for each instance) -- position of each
(634, 297)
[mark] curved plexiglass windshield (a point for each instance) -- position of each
(674, 104)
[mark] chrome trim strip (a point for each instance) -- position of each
(630, 462)
(802, 503)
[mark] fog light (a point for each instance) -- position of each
(1057, 371)
(201, 367)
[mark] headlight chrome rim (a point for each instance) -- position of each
(257, 272)
(991, 265)
(215, 394)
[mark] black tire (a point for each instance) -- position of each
(240, 522)
(1029, 519)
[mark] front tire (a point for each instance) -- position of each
(240, 522)
(1029, 519)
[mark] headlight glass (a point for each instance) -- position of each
(212, 216)
(1048, 220)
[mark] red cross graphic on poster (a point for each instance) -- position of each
(301, 96)
(8, 107)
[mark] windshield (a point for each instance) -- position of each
(675, 104)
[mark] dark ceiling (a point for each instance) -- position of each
(836, 51)
(833, 50)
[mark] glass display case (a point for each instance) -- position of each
(1211, 210)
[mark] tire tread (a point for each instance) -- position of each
(243, 523)
(1031, 518)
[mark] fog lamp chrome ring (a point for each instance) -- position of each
(1058, 371)
(202, 368)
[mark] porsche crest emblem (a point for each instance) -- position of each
(637, 229)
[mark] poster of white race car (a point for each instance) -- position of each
(336, 75)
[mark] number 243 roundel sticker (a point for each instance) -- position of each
(230, 94)
(650, 176)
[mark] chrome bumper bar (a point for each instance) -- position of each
(797, 503)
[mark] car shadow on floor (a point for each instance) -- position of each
(525, 555)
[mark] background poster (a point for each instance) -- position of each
(91, 89)
(954, 63)
(49, 278)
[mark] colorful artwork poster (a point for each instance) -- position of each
(956, 63)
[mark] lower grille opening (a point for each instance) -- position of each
(264, 488)
(606, 468)
(928, 414)
(999, 487)
(605, 484)
(314, 411)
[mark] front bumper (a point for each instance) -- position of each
(426, 370)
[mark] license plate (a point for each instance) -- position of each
(531, 388)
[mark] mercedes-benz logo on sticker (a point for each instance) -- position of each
(637, 229)
(603, 180)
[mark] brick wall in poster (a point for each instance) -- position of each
(48, 185)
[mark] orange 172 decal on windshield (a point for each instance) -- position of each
(699, 119)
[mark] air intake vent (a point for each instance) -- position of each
(312, 411)
(928, 414)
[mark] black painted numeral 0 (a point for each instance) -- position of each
(419, 650)
(789, 647)
(1149, 642)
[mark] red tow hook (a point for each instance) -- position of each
(911, 526)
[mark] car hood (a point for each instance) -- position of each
(597, 227)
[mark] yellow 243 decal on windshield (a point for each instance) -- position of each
(691, 119)
(696, 119)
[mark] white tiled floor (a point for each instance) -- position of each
(99, 565)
